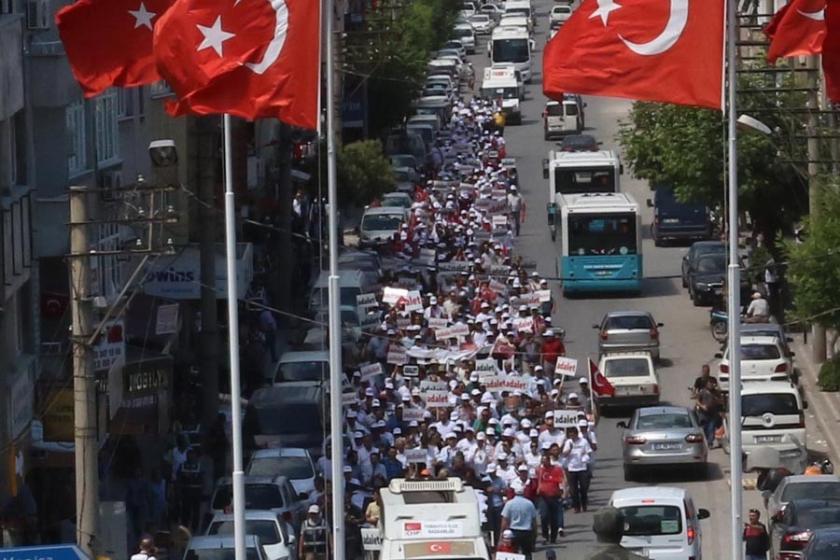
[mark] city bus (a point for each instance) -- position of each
(601, 243)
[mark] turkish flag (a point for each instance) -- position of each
(831, 51)
(798, 29)
(109, 42)
(652, 50)
(250, 58)
(600, 384)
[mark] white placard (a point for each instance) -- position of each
(455, 266)
(500, 221)
(411, 371)
(167, 319)
(531, 298)
(566, 417)
(392, 295)
(414, 301)
(366, 300)
(524, 324)
(499, 383)
(486, 368)
(508, 556)
(429, 385)
(372, 539)
(413, 414)
(499, 270)
(370, 370)
(348, 398)
(459, 329)
(396, 355)
(565, 366)
(416, 455)
(545, 295)
(438, 323)
(435, 399)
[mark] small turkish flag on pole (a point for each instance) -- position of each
(831, 51)
(797, 29)
(600, 384)
(109, 42)
(249, 58)
(651, 50)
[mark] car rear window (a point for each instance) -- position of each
(257, 496)
(652, 520)
(774, 403)
(265, 530)
(220, 554)
(296, 468)
(663, 421)
(626, 367)
(554, 110)
(812, 489)
(759, 352)
(303, 371)
(631, 322)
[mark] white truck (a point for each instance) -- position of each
(501, 84)
(514, 45)
(431, 519)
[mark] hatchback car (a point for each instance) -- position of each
(696, 250)
(773, 415)
(579, 143)
(763, 358)
(220, 547)
(660, 522)
(261, 492)
(824, 545)
(482, 24)
(800, 486)
(276, 536)
(633, 377)
(663, 435)
(380, 224)
(294, 463)
(622, 331)
(559, 14)
(794, 526)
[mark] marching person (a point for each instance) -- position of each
(578, 452)
(314, 536)
(551, 486)
(520, 516)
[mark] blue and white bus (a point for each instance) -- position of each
(601, 243)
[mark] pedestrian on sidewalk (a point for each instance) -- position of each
(756, 539)
(147, 550)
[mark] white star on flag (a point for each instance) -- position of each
(214, 36)
(142, 16)
(605, 7)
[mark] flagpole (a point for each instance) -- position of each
(336, 371)
(734, 294)
(237, 480)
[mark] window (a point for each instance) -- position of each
(579, 180)
(652, 520)
(626, 367)
(107, 132)
(125, 102)
(267, 530)
(7, 6)
(759, 352)
(37, 14)
(295, 468)
(779, 404)
(604, 234)
(75, 124)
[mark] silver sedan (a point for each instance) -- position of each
(663, 435)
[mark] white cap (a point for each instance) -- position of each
(314, 509)
(491, 468)
(509, 432)
(369, 392)
(583, 423)
(522, 468)
(375, 402)
(549, 414)
(549, 332)
(534, 433)
(583, 381)
(573, 396)
(481, 436)
(502, 456)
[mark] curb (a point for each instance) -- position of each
(820, 404)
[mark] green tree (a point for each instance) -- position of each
(684, 147)
(363, 172)
(814, 265)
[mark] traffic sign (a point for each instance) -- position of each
(56, 552)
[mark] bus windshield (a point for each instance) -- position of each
(503, 92)
(510, 50)
(602, 234)
(581, 180)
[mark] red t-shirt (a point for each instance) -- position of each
(550, 481)
(552, 348)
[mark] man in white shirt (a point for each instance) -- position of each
(551, 434)
(505, 471)
(578, 453)
(758, 310)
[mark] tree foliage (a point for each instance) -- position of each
(814, 265)
(363, 172)
(685, 147)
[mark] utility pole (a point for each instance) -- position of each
(205, 134)
(818, 346)
(285, 254)
(84, 382)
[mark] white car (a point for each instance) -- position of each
(221, 548)
(634, 378)
(482, 24)
(763, 358)
(559, 15)
(773, 415)
(465, 33)
(276, 538)
(294, 463)
(660, 522)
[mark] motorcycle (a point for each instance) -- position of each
(719, 324)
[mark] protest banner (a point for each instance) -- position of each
(436, 399)
(429, 385)
(416, 455)
(499, 383)
(370, 371)
(348, 398)
(459, 329)
(403, 322)
(499, 270)
(500, 221)
(437, 323)
(545, 295)
(497, 286)
(427, 257)
(407, 282)
(414, 301)
(565, 366)
(366, 300)
(485, 368)
(413, 414)
(524, 324)
(396, 355)
(455, 266)
(392, 295)
(372, 541)
(411, 371)
(567, 417)
(531, 298)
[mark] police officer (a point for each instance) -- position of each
(190, 482)
(312, 544)
(608, 526)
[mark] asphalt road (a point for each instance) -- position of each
(686, 340)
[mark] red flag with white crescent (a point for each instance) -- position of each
(831, 51)
(600, 384)
(798, 29)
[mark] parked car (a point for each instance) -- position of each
(482, 24)
(302, 366)
(634, 378)
(763, 358)
(397, 200)
(676, 220)
(218, 547)
(465, 33)
(559, 14)
(621, 331)
(696, 250)
(379, 225)
(793, 527)
(289, 415)
(824, 545)
(773, 415)
(294, 463)
(494, 11)
(276, 537)
(660, 522)
(351, 283)
(800, 486)
(705, 278)
(663, 435)
(263, 493)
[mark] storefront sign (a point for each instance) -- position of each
(179, 276)
(146, 378)
(109, 347)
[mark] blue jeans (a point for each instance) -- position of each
(551, 516)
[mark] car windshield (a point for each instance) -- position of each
(759, 352)
(580, 180)
(303, 371)
(290, 418)
(463, 32)
(403, 161)
(503, 92)
(480, 19)
(396, 201)
(296, 468)
(402, 176)
(652, 520)
(774, 403)
(511, 50)
(257, 496)
(823, 490)
(663, 421)
(714, 263)
(602, 234)
(220, 554)
(554, 110)
(629, 323)
(381, 222)
(626, 367)
(265, 530)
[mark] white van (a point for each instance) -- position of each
(500, 83)
(561, 117)
(773, 415)
(633, 376)
(431, 518)
(660, 522)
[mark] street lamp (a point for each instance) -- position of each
(748, 123)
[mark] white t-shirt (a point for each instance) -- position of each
(758, 307)
(558, 436)
(579, 453)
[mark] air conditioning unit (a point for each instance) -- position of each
(37, 14)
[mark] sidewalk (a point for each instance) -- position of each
(823, 407)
